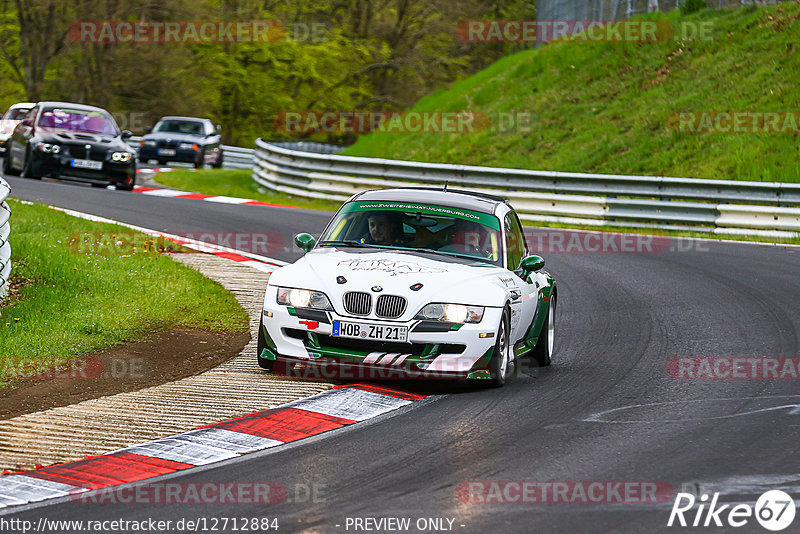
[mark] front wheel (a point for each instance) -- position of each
(500, 361)
(27, 168)
(261, 345)
(543, 353)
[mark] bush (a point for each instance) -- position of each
(691, 6)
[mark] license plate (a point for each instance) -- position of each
(373, 332)
(87, 164)
(166, 151)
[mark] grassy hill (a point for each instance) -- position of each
(610, 107)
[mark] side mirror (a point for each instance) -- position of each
(218, 128)
(126, 134)
(305, 241)
(148, 130)
(531, 264)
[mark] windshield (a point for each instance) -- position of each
(177, 126)
(15, 114)
(439, 229)
(79, 121)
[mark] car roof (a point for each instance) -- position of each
(428, 195)
(26, 105)
(178, 118)
(72, 105)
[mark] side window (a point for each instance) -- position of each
(515, 242)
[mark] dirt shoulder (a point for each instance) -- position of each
(164, 357)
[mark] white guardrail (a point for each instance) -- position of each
(5, 234)
(766, 209)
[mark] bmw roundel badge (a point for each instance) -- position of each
(377, 289)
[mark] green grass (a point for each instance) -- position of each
(605, 107)
(71, 302)
(236, 183)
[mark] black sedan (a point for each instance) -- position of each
(182, 139)
(73, 142)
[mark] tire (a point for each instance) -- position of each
(218, 164)
(27, 168)
(200, 162)
(543, 352)
(262, 344)
(501, 360)
(127, 187)
(7, 169)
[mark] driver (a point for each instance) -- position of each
(385, 228)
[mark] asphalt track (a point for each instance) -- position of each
(621, 318)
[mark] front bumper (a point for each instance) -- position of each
(181, 155)
(112, 173)
(303, 340)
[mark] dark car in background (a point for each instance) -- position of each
(183, 139)
(10, 119)
(73, 142)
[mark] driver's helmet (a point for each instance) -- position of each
(395, 222)
(469, 235)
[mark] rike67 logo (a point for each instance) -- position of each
(774, 510)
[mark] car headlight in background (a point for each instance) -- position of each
(303, 298)
(189, 146)
(451, 313)
(147, 142)
(121, 157)
(49, 148)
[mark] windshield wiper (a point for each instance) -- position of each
(343, 243)
(443, 253)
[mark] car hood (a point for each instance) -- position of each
(66, 136)
(443, 280)
(175, 136)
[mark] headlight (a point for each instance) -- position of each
(303, 298)
(147, 142)
(48, 148)
(121, 157)
(451, 313)
(189, 146)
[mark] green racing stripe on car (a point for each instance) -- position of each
(292, 311)
(485, 219)
(456, 327)
(528, 342)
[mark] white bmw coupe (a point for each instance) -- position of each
(414, 283)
